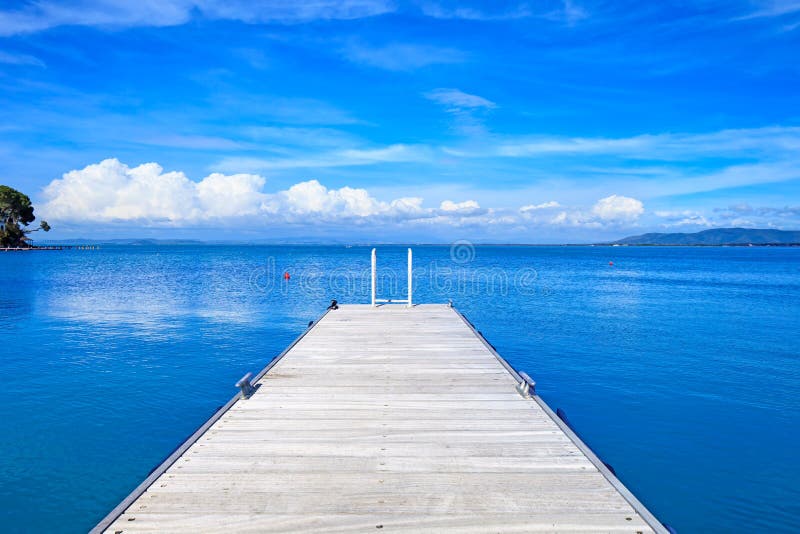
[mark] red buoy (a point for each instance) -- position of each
(286, 275)
(610, 263)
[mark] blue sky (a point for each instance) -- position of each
(384, 120)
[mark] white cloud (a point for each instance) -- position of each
(402, 57)
(618, 208)
(455, 99)
(309, 201)
(110, 191)
(228, 196)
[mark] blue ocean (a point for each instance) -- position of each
(679, 366)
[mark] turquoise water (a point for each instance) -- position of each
(679, 366)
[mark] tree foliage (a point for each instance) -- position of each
(16, 213)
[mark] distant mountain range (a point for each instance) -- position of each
(717, 236)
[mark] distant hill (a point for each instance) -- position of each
(717, 236)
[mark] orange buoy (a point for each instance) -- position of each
(286, 275)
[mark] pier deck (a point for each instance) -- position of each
(393, 418)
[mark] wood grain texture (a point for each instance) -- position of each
(393, 418)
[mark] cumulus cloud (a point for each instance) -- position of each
(618, 208)
(313, 198)
(112, 192)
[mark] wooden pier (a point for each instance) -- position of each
(389, 417)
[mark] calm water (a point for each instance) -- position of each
(679, 366)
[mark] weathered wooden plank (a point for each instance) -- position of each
(207, 463)
(378, 500)
(533, 521)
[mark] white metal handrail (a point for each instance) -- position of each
(409, 301)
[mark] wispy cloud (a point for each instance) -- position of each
(115, 14)
(122, 13)
(401, 56)
(664, 147)
(771, 9)
(193, 142)
(455, 99)
(468, 110)
(767, 211)
(282, 110)
(304, 137)
(398, 153)
(294, 12)
(20, 59)
(571, 12)
(565, 10)
(112, 13)
(440, 11)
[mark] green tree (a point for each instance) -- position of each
(16, 213)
